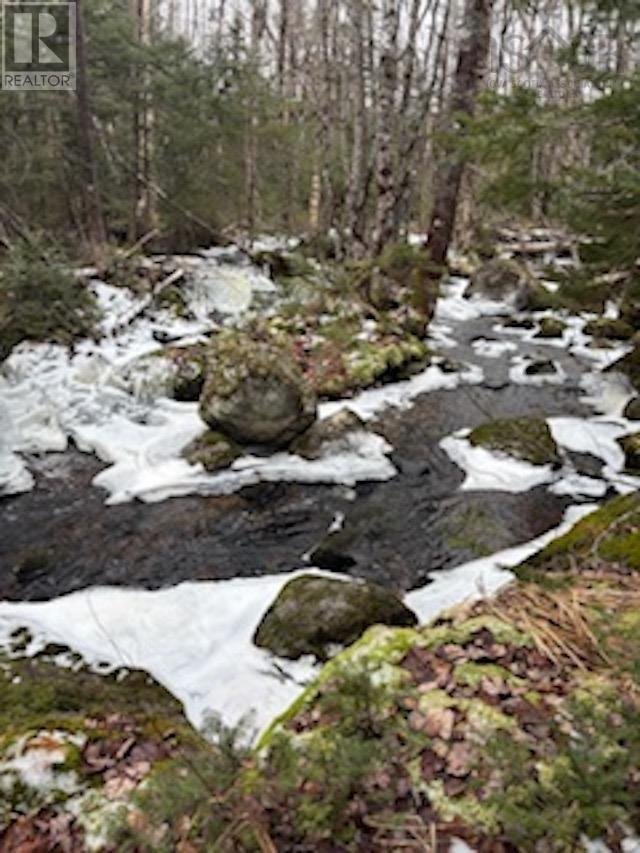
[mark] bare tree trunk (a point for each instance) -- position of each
(356, 192)
(144, 213)
(469, 75)
(96, 231)
(385, 230)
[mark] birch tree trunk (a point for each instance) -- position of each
(385, 230)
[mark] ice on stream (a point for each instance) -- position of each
(488, 470)
(108, 399)
(195, 638)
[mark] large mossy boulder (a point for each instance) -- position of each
(313, 615)
(254, 392)
(498, 279)
(528, 439)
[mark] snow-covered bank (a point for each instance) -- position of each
(195, 638)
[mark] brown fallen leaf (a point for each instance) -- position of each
(459, 760)
(439, 723)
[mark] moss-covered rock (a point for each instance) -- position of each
(499, 278)
(607, 327)
(632, 409)
(631, 447)
(312, 615)
(551, 327)
(629, 365)
(534, 296)
(611, 534)
(327, 431)
(528, 439)
(254, 392)
(212, 450)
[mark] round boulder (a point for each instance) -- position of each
(314, 614)
(498, 278)
(254, 392)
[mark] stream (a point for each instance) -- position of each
(173, 577)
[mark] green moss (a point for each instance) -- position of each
(551, 327)
(472, 530)
(579, 291)
(606, 327)
(38, 694)
(212, 450)
(462, 632)
(472, 673)
(610, 533)
(631, 446)
(525, 438)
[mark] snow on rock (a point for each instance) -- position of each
(487, 470)
(518, 372)
(371, 402)
(487, 348)
(453, 307)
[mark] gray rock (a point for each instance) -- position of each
(311, 615)
(632, 410)
(254, 392)
(498, 278)
(327, 431)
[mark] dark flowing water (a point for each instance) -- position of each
(61, 537)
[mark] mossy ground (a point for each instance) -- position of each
(513, 724)
(96, 738)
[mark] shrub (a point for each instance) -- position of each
(40, 300)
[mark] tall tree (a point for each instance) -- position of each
(96, 232)
(467, 82)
